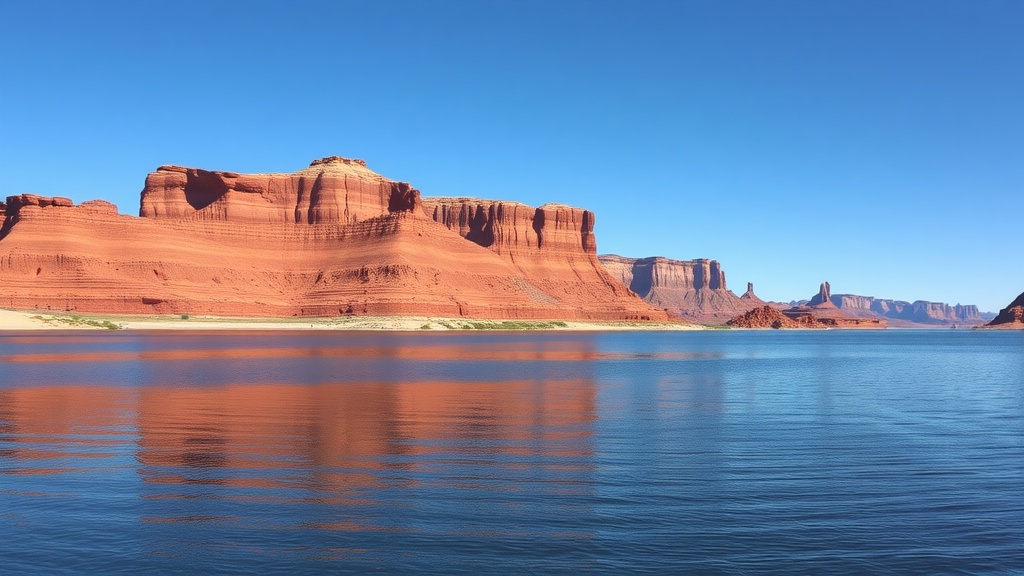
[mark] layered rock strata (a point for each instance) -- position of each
(1012, 316)
(552, 245)
(691, 289)
(905, 313)
(335, 238)
(820, 310)
(331, 190)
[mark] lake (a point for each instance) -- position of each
(712, 452)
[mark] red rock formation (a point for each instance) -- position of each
(767, 317)
(820, 311)
(695, 290)
(818, 318)
(510, 228)
(553, 245)
(823, 299)
(750, 296)
(332, 239)
(907, 314)
(1012, 316)
(332, 190)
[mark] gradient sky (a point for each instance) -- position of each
(878, 145)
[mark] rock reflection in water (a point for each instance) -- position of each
(350, 437)
(326, 457)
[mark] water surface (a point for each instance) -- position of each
(719, 452)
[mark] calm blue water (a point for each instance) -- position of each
(719, 452)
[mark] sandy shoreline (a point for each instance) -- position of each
(22, 320)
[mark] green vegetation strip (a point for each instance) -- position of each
(78, 321)
(503, 325)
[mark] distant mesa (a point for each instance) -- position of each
(819, 312)
(332, 239)
(909, 314)
(1010, 317)
(694, 290)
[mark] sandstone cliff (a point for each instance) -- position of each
(820, 310)
(511, 228)
(694, 290)
(331, 239)
(908, 313)
(1012, 316)
(552, 245)
(331, 190)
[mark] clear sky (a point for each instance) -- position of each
(878, 145)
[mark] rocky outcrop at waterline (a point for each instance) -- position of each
(767, 317)
(1010, 317)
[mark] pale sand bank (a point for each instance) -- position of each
(21, 320)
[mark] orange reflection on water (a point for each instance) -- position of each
(503, 353)
(337, 443)
(53, 424)
(330, 427)
(341, 443)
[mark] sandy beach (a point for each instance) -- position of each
(22, 320)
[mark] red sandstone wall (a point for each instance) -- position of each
(332, 239)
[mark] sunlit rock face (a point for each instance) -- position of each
(333, 238)
(690, 289)
(917, 312)
(1012, 315)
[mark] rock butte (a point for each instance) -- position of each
(694, 290)
(899, 313)
(334, 238)
(821, 310)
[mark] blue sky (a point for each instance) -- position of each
(878, 145)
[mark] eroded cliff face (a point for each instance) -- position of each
(553, 245)
(918, 312)
(332, 239)
(331, 190)
(691, 289)
(511, 228)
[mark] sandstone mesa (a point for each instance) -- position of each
(693, 290)
(818, 312)
(902, 313)
(332, 239)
